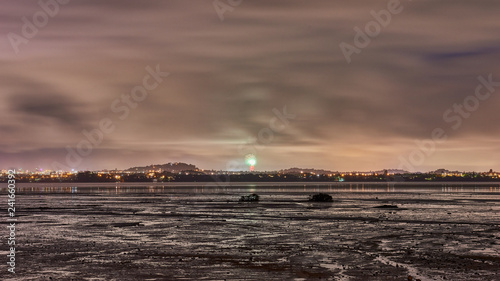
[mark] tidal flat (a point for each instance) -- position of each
(200, 231)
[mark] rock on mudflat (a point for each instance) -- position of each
(250, 198)
(387, 207)
(320, 197)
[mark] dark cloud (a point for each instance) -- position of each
(463, 54)
(46, 105)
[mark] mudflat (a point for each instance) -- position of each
(201, 232)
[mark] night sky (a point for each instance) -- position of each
(228, 77)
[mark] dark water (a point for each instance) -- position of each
(75, 188)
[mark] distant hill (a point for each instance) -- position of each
(169, 167)
(306, 170)
(393, 171)
(445, 171)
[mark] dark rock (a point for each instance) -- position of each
(387, 207)
(126, 224)
(320, 197)
(250, 198)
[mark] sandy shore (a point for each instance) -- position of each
(193, 234)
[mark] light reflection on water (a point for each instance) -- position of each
(116, 188)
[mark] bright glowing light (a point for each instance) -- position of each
(250, 160)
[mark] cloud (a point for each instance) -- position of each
(46, 105)
(228, 76)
